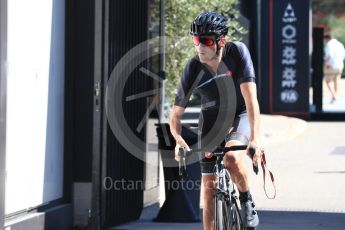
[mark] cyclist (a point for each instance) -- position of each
(209, 30)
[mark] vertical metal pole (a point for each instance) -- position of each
(162, 57)
(104, 130)
(258, 48)
(3, 95)
(317, 66)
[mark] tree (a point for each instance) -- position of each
(178, 15)
(330, 13)
(329, 6)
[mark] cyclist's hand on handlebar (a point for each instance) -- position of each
(256, 157)
(180, 142)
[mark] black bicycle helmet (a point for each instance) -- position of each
(209, 23)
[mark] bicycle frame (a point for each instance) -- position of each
(224, 183)
(225, 198)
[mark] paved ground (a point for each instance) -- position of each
(310, 170)
(308, 161)
(270, 220)
(339, 104)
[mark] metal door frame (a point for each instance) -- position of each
(3, 98)
(99, 117)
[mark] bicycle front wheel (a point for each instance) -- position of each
(219, 219)
(227, 216)
(235, 217)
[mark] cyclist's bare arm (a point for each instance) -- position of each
(175, 121)
(248, 90)
(176, 128)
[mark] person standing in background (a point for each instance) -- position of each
(334, 64)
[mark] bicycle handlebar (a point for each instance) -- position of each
(218, 151)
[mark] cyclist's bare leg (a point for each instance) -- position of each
(208, 183)
(233, 161)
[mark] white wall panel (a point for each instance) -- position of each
(35, 103)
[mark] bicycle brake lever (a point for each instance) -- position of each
(183, 170)
(252, 152)
(183, 167)
(181, 152)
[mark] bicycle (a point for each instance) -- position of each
(227, 213)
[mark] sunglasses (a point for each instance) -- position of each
(203, 40)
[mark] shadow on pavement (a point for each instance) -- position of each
(269, 220)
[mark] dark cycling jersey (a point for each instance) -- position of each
(236, 63)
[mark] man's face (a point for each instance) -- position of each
(206, 47)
